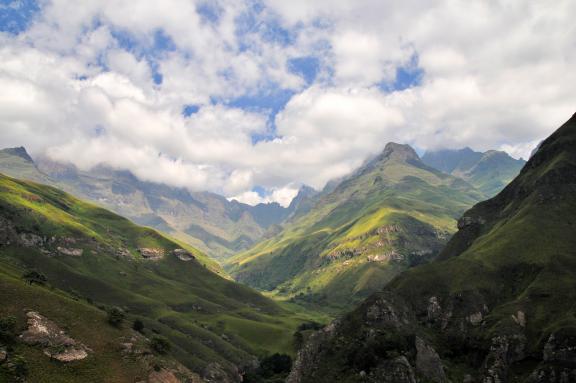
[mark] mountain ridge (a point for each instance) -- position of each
(495, 306)
(391, 212)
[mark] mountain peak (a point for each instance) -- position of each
(18, 152)
(399, 151)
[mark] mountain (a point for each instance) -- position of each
(390, 214)
(202, 219)
(86, 260)
(490, 171)
(497, 305)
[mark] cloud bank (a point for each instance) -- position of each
(230, 95)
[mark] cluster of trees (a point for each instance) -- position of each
(273, 369)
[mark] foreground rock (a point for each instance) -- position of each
(57, 345)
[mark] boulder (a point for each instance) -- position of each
(56, 344)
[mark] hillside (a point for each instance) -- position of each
(392, 213)
(102, 260)
(496, 306)
(205, 220)
(489, 172)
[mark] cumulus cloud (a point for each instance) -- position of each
(105, 82)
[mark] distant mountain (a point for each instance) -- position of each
(83, 260)
(205, 220)
(392, 213)
(497, 305)
(489, 172)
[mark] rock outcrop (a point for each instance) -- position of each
(44, 333)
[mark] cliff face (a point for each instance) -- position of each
(496, 306)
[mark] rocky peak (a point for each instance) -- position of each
(18, 152)
(399, 152)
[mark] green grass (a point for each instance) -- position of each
(394, 192)
(207, 317)
(517, 254)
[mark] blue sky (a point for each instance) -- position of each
(254, 98)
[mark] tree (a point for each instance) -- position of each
(116, 316)
(160, 345)
(138, 325)
(34, 277)
(275, 364)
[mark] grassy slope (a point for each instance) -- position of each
(204, 220)
(84, 323)
(185, 301)
(515, 254)
(395, 190)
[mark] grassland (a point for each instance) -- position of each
(392, 213)
(208, 318)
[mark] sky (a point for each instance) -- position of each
(252, 99)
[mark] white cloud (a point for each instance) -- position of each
(496, 74)
(283, 196)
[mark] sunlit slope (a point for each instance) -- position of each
(392, 213)
(105, 259)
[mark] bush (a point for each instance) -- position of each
(34, 277)
(275, 364)
(138, 325)
(116, 316)
(7, 330)
(160, 345)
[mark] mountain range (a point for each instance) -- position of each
(495, 306)
(489, 172)
(206, 220)
(392, 213)
(81, 261)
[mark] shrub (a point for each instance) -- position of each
(116, 316)
(138, 325)
(34, 277)
(275, 364)
(160, 345)
(7, 329)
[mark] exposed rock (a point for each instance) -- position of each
(428, 363)
(434, 310)
(552, 374)
(520, 318)
(162, 376)
(151, 253)
(467, 221)
(383, 313)
(70, 251)
(57, 345)
(215, 373)
(397, 370)
(505, 350)
(183, 255)
(31, 240)
(8, 234)
(475, 318)
(560, 349)
(308, 356)
(390, 256)
(3, 355)
(123, 252)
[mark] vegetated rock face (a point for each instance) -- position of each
(56, 344)
(496, 306)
